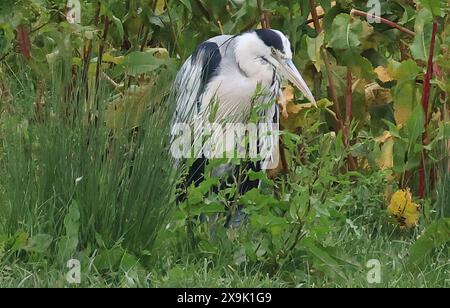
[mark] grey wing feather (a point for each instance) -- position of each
(193, 77)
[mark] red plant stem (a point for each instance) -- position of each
(348, 101)
(23, 38)
(264, 16)
(332, 88)
(430, 71)
(383, 20)
(425, 105)
(348, 115)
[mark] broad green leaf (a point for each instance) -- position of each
(404, 71)
(406, 94)
(420, 48)
(345, 32)
(20, 241)
(68, 244)
(119, 25)
(434, 6)
(314, 45)
(324, 259)
(39, 243)
(406, 98)
(211, 209)
(360, 66)
(415, 124)
(187, 4)
(6, 37)
(109, 259)
(137, 63)
(72, 220)
(438, 233)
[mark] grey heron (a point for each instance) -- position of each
(227, 70)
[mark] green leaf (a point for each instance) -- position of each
(212, 208)
(324, 259)
(72, 220)
(39, 243)
(404, 71)
(360, 66)
(415, 124)
(68, 244)
(345, 32)
(20, 241)
(420, 48)
(138, 62)
(437, 234)
(119, 25)
(406, 94)
(187, 4)
(6, 37)
(109, 259)
(434, 6)
(313, 46)
(195, 196)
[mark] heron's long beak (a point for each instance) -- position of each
(290, 72)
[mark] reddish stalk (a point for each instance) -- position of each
(23, 38)
(383, 20)
(348, 115)
(332, 87)
(264, 16)
(426, 105)
(315, 17)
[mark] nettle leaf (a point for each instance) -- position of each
(345, 32)
(420, 48)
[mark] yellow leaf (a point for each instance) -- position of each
(386, 160)
(383, 74)
(286, 97)
(160, 7)
(377, 95)
(404, 209)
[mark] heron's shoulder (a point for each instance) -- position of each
(220, 39)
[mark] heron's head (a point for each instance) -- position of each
(270, 47)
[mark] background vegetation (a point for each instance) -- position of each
(85, 108)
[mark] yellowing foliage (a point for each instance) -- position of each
(404, 209)
(386, 158)
(383, 74)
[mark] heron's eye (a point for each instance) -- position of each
(274, 52)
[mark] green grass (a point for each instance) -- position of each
(215, 271)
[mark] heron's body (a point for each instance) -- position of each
(222, 69)
(218, 83)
